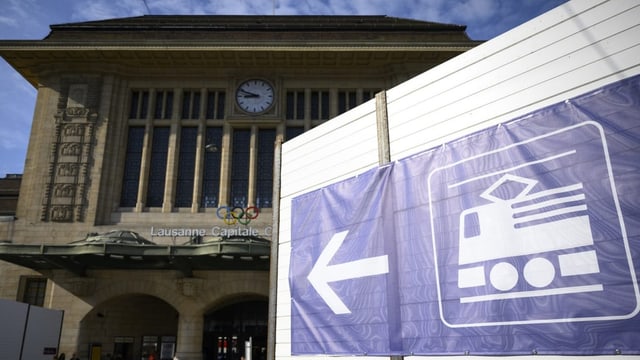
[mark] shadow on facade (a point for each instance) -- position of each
(129, 327)
(229, 327)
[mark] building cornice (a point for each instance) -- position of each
(189, 43)
(30, 58)
(8, 47)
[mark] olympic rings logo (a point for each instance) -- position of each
(232, 215)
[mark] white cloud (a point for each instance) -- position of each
(8, 21)
(107, 9)
(476, 10)
(23, 19)
(12, 139)
(17, 8)
(243, 7)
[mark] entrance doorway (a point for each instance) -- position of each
(123, 347)
(227, 329)
(121, 324)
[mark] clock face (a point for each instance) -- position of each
(255, 96)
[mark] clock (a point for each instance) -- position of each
(255, 96)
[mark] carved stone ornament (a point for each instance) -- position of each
(68, 169)
(71, 149)
(64, 190)
(76, 111)
(74, 130)
(75, 114)
(62, 213)
(65, 197)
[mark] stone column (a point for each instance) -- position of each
(253, 167)
(225, 168)
(189, 342)
(146, 156)
(307, 107)
(200, 149)
(173, 154)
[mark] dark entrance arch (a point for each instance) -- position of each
(227, 328)
(128, 327)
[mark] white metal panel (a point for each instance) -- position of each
(345, 145)
(26, 331)
(285, 227)
(13, 319)
(568, 51)
(42, 331)
(502, 49)
(546, 66)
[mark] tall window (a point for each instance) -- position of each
(139, 104)
(186, 166)
(346, 100)
(264, 183)
(215, 104)
(158, 166)
(368, 94)
(190, 104)
(304, 108)
(293, 131)
(158, 105)
(33, 290)
(164, 105)
(211, 172)
(295, 105)
(319, 105)
(240, 167)
(132, 161)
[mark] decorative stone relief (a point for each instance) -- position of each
(61, 213)
(74, 130)
(68, 169)
(71, 149)
(64, 190)
(65, 198)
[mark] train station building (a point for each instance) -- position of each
(146, 208)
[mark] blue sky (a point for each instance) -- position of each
(30, 19)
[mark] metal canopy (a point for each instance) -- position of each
(246, 254)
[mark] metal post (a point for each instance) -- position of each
(382, 125)
(273, 259)
(247, 349)
(384, 157)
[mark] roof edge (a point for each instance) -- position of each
(259, 23)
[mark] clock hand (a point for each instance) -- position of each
(249, 94)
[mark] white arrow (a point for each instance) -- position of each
(322, 273)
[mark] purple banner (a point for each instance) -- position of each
(518, 239)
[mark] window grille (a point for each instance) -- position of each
(158, 166)
(186, 166)
(131, 176)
